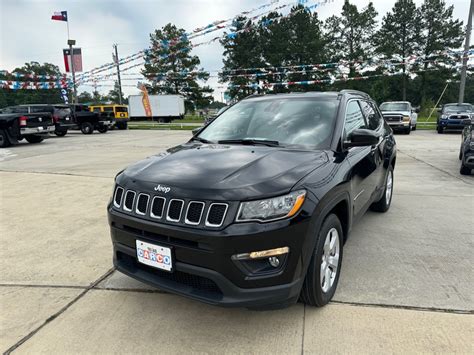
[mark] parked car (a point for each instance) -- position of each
(61, 114)
(400, 115)
(33, 127)
(254, 210)
(466, 152)
(451, 116)
(88, 121)
(119, 112)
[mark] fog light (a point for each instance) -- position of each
(274, 261)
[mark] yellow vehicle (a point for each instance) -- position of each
(120, 113)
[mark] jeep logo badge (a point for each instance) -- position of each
(164, 189)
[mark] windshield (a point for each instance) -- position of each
(289, 121)
(458, 108)
(394, 106)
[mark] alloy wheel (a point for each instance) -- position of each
(329, 260)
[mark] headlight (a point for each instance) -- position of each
(444, 117)
(272, 208)
(406, 118)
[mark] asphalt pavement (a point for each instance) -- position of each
(406, 284)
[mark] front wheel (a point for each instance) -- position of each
(440, 130)
(323, 272)
(87, 128)
(34, 139)
(414, 128)
(383, 204)
(465, 170)
(61, 133)
(103, 129)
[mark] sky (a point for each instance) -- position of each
(27, 32)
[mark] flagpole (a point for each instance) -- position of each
(67, 24)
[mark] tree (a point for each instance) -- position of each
(439, 32)
(352, 34)
(84, 97)
(114, 95)
(400, 34)
(10, 97)
(171, 68)
(294, 41)
(241, 50)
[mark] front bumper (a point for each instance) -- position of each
(451, 123)
(202, 259)
(37, 130)
(399, 125)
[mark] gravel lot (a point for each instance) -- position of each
(406, 283)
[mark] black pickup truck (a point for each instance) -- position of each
(88, 121)
(33, 127)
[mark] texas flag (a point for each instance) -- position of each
(60, 16)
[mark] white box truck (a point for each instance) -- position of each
(164, 108)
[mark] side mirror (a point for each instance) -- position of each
(466, 122)
(361, 138)
(439, 110)
(416, 109)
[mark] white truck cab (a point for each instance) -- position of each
(400, 115)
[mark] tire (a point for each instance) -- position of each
(122, 125)
(440, 130)
(414, 128)
(4, 141)
(34, 139)
(465, 170)
(60, 133)
(385, 201)
(408, 130)
(314, 292)
(103, 129)
(460, 154)
(87, 128)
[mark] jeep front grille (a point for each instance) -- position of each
(216, 214)
(157, 207)
(174, 210)
(194, 212)
(118, 197)
(142, 204)
(129, 199)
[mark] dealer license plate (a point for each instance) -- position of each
(154, 255)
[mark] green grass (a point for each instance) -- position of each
(425, 124)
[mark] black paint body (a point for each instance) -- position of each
(345, 181)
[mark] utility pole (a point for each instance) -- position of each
(72, 42)
(116, 59)
(462, 86)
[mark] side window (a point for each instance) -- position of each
(354, 118)
(371, 114)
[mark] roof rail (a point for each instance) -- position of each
(354, 92)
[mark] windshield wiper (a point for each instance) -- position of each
(250, 141)
(202, 140)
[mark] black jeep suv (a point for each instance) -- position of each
(254, 210)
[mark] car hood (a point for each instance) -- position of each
(222, 172)
(404, 113)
